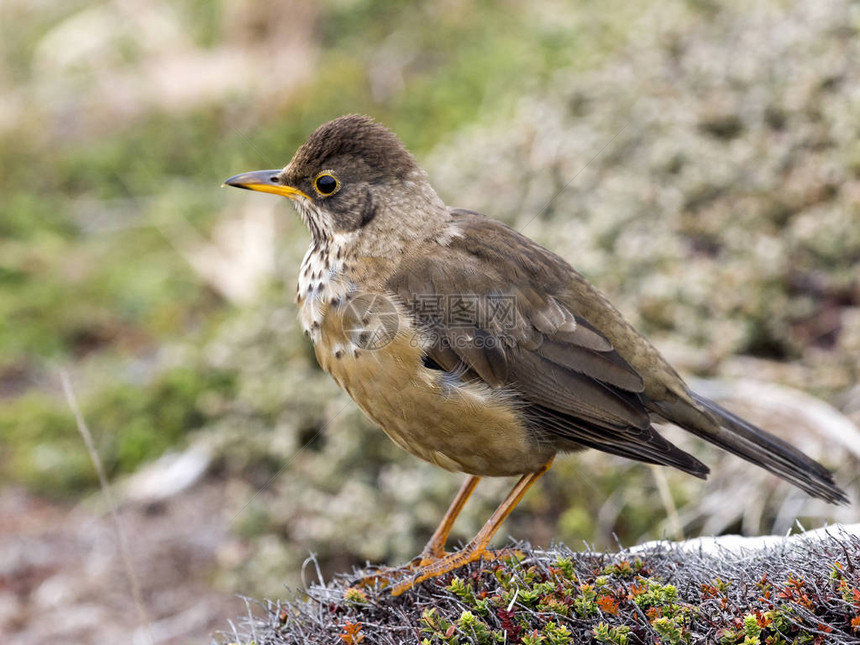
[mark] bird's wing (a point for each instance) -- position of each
(498, 307)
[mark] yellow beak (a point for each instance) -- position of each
(264, 181)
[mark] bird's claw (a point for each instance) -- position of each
(426, 566)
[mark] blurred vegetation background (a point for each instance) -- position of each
(698, 161)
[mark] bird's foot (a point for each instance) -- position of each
(432, 553)
(385, 576)
(427, 565)
(440, 566)
(419, 571)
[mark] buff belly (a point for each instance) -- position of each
(464, 427)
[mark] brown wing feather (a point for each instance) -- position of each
(572, 384)
(650, 447)
(604, 366)
(559, 388)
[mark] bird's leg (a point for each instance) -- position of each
(435, 548)
(477, 547)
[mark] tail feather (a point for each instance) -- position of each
(740, 437)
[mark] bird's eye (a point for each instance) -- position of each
(326, 183)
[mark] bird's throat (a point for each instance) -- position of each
(323, 280)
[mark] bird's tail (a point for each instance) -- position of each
(746, 440)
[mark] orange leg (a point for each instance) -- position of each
(435, 548)
(475, 549)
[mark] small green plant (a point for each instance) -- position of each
(355, 596)
(437, 628)
(670, 631)
(557, 634)
(654, 594)
(472, 627)
(565, 565)
(617, 635)
(584, 604)
(752, 630)
(533, 638)
(624, 569)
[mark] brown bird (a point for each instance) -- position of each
(473, 347)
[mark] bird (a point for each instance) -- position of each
(473, 347)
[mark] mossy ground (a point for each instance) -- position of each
(805, 593)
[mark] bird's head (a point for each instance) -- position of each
(352, 175)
